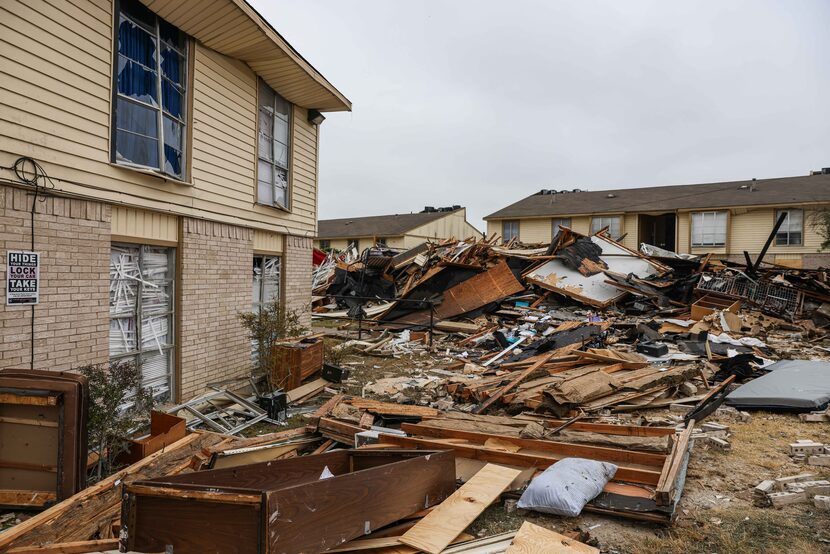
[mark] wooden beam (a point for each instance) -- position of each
(26, 498)
(565, 449)
(668, 477)
(516, 380)
(78, 547)
(540, 460)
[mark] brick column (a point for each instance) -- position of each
(72, 318)
(296, 277)
(214, 286)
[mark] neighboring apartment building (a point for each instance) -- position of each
(180, 140)
(723, 218)
(400, 231)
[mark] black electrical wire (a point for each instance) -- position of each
(29, 172)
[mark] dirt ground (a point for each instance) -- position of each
(715, 514)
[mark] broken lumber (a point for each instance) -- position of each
(438, 528)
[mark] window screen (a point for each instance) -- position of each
(790, 232)
(709, 228)
(150, 93)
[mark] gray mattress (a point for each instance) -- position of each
(798, 385)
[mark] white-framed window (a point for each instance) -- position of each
(381, 241)
(557, 222)
(791, 231)
(150, 92)
(266, 280)
(709, 228)
(141, 313)
(601, 222)
(272, 146)
(509, 230)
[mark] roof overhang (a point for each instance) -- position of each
(235, 29)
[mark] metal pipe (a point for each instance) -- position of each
(771, 236)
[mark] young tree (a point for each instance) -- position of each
(273, 323)
(118, 406)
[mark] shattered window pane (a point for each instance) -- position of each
(273, 147)
(141, 312)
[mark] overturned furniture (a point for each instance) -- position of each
(308, 504)
(294, 362)
(43, 438)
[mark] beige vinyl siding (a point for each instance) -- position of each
(535, 230)
(631, 231)
(581, 224)
(683, 233)
(55, 80)
(751, 228)
(129, 224)
(266, 242)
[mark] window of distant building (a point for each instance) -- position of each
(509, 230)
(558, 222)
(325, 245)
(150, 92)
(791, 231)
(272, 146)
(354, 244)
(381, 241)
(601, 222)
(709, 228)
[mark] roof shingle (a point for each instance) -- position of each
(787, 190)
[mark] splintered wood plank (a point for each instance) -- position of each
(77, 547)
(437, 530)
(532, 539)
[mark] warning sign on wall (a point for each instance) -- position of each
(23, 278)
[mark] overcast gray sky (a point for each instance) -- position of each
(481, 102)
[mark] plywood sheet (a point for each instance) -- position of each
(532, 539)
(437, 530)
(490, 286)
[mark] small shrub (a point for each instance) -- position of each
(273, 323)
(110, 422)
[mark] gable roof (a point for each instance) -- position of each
(377, 225)
(761, 192)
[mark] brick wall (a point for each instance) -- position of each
(296, 278)
(214, 286)
(72, 318)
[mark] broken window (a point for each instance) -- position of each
(509, 230)
(149, 112)
(790, 232)
(272, 167)
(709, 228)
(141, 313)
(266, 281)
(611, 221)
(558, 222)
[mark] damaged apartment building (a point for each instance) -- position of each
(397, 231)
(725, 219)
(161, 159)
